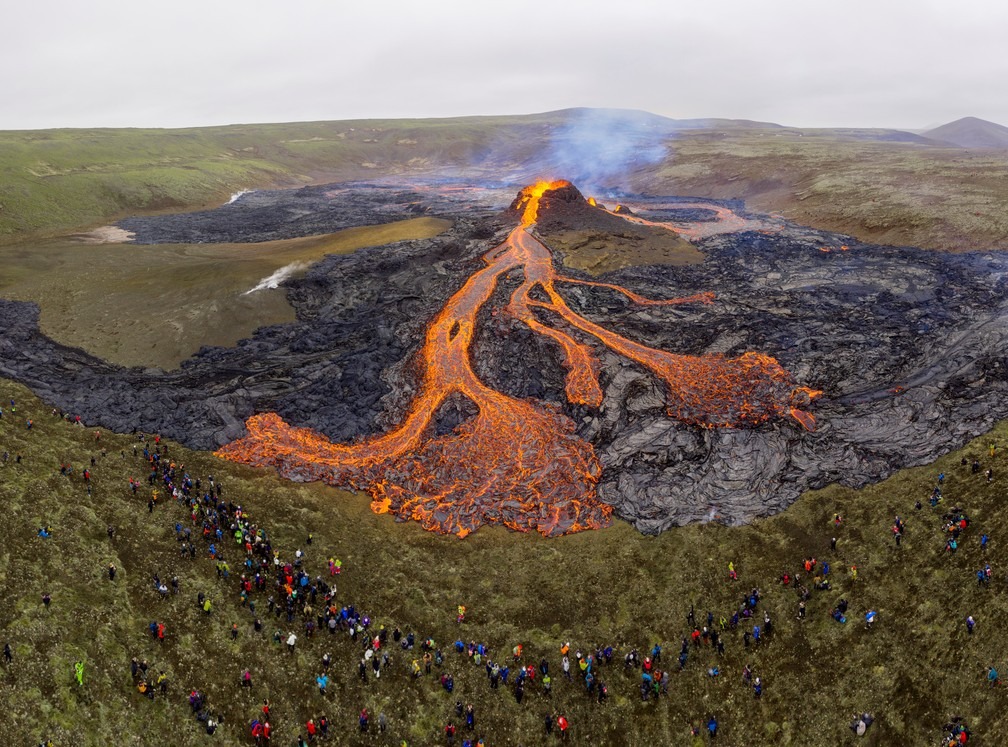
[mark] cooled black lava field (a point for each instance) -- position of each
(906, 346)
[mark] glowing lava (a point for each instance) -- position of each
(517, 462)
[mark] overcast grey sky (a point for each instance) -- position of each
(810, 63)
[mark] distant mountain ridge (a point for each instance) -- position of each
(971, 132)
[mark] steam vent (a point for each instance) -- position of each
(519, 461)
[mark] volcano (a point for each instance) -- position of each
(518, 462)
(472, 378)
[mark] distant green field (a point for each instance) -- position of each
(853, 181)
(935, 197)
(105, 297)
(61, 180)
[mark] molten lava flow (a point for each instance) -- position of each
(517, 462)
(528, 198)
(726, 220)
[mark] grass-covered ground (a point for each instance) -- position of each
(852, 181)
(53, 181)
(914, 670)
(104, 298)
(931, 196)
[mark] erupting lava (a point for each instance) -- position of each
(517, 462)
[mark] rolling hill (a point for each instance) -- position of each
(971, 132)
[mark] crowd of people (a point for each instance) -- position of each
(296, 597)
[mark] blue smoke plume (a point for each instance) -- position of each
(600, 149)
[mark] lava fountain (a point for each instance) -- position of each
(516, 462)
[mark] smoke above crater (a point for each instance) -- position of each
(598, 149)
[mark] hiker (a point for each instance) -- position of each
(111, 571)
(322, 680)
(8, 654)
(970, 624)
(291, 640)
(712, 726)
(861, 723)
(363, 720)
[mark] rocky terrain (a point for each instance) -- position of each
(906, 345)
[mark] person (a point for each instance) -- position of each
(563, 726)
(757, 688)
(449, 731)
(79, 672)
(970, 623)
(291, 640)
(992, 676)
(861, 723)
(470, 717)
(870, 619)
(111, 571)
(712, 726)
(363, 720)
(8, 654)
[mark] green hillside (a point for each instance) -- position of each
(914, 670)
(880, 185)
(59, 180)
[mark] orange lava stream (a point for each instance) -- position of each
(517, 462)
(728, 221)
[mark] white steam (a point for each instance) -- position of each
(273, 280)
(601, 148)
(237, 195)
